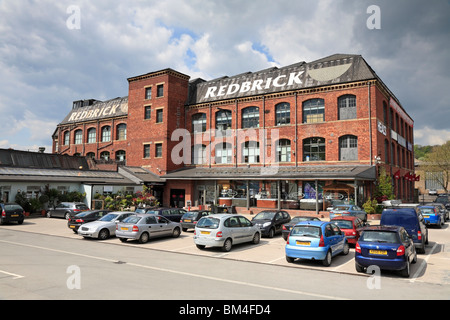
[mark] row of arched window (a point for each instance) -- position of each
(314, 149)
(106, 155)
(313, 111)
(91, 137)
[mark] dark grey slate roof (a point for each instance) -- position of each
(338, 68)
(99, 110)
(358, 172)
(140, 175)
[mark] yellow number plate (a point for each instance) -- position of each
(187, 220)
(380, 252)
(303, 243)
(205, 232)
(124, 228)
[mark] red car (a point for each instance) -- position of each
(351, 226)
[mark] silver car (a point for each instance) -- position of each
(225, 230)
(142, 227)
(104, 227)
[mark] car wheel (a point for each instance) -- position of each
(415, 257)
(176, 233)
(20, 221)
(49, 214)
(67, 216)
(346, 249)
(256, 238)
(200, 246)
(405, 272)
(327, 261)
(144, 237)
(123, 239)
(185, 229)
(290, 259)
(227, 245)
(103, 234)
(271, 233)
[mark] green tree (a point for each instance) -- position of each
(438, 162)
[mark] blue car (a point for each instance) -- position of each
(388, 247)
(431, 215)
(315, 240)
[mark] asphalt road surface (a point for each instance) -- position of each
(40, 266)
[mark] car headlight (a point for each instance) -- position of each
(266, 224)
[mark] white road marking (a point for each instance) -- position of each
(423, 264)
(202, 276)
(16, 276)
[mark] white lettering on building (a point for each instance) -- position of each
(255, 85)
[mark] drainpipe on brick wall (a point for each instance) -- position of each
(370, 123)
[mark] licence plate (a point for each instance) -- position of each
(379, 252)
(303, 243)
(73, 227)
(14, 215)
(124, 228)
(205, 232)
(187, 220)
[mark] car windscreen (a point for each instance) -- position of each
(441, 200)
(81, 207)
(132, 219)
(379, 236)
(83, 214)
(10, 207)
(208, 222)
(343, 224)
(264, 215)
(299, 219)
(140, 210)
(151, 212)
(427, 210)
(190, 215)
(109, 217)
(309, 231)
(342, 208)
(408, 221)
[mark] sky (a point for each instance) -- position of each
(55, 52)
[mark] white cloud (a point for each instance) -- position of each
(429, 136)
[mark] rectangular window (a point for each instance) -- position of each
(160, 90)
(147, 112)
(313, 111)
(146, 151)
(158, 150)
(159, 115)
(148, 93)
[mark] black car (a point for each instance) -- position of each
(11, 212)
(271, 221)
(286, 228)
(84, 217)
(67, 210)
(173, 214)
(190, 218)
(444, 200)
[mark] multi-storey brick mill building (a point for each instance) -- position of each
(270, 138)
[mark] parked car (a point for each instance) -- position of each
(412, 220)
(432, 192)
(145, 209)
(143, 227)
(225, 230)
(67, 210)
(348, 210)
(445, 201)
(190, 218)
(432, 215)
(104, 227)
(271, 221)
(286, 228)
(388, 247)
(11, 212)
(173, 214)
(351, 227)
(86, 216)
(315, 240)
(444, 211)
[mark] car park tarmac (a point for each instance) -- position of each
(431, 267)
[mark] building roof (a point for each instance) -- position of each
(98, 110)
(356, 172)
(335, 69)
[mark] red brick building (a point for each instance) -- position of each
(266, 139)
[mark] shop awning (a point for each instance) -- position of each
(357, 172)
